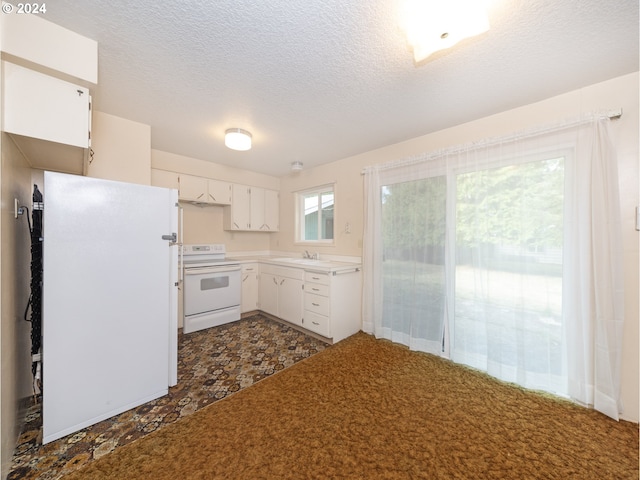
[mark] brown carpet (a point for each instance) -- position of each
(370, 409)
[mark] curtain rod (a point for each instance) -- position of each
(611, 114)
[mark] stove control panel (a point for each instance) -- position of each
(204, 249)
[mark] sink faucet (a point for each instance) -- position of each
(306, 254)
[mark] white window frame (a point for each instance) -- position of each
(300, 220)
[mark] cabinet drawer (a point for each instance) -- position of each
(316, 323)
(317, 289)
(315, 277)
(316, 304)
(249, 268)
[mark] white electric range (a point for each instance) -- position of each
(212, 287)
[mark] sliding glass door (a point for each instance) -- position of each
(504, 255)
(413, 269)
(508, 273)
(502, 272)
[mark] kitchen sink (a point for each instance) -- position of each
(303, 261)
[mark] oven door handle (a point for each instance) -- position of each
(210, 270)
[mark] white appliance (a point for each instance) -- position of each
(212, 287)
(109, 320)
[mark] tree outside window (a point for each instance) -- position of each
(316, 215)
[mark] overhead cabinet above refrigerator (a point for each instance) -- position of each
(49, 118)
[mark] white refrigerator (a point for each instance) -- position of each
(109, 311)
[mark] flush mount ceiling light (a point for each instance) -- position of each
(296, 166)
(435, 25)
(237, 139)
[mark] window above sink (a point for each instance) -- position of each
(315, 215)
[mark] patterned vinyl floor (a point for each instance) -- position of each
(212, 364)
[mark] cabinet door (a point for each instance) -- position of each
(219, 192)
(290, 300)
(257, 208)
(271, 211)
(268, 293)
(240, 208)
(164, 178)
(249, 287)
(193, 189)
(44, 107)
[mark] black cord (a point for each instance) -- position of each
(26, 310)
(28, 219)
(35, 299)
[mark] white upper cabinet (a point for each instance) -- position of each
(165, 178)
(256, 210)
(253, 209)
(271, 211)
(49, 118)
(203, 190)
(193, 189)
(47, 108)
(237, 216)
(219, 192)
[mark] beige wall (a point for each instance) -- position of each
(204, 224)
(620, 92)
(121, 149)
(15, 258)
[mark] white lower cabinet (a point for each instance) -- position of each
(325, 303)
(332, 303)
(249, 287)
(280, 292)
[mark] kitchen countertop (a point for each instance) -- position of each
(299, 262)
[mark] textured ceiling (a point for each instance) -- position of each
(321, 80)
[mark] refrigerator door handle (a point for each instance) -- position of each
(173, 238)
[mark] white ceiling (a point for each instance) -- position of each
(321, 80)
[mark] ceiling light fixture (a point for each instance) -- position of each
(435, 25)
(296, 166)
(237, 139)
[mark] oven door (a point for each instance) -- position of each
(211, 288)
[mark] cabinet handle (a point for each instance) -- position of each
(315, 323)
(245, 278)
(237, 226)
(315, 304)
(316, 278)
(199, 196)
(282, 281)
(214, 198)
(315, 289)
(275, 281)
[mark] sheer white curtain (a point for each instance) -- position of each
(504, 255)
